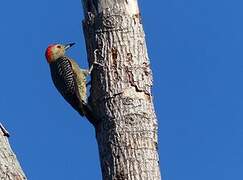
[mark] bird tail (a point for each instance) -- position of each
(86, 111)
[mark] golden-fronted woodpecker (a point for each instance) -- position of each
(68, 77)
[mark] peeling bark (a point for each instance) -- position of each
(9, 165)
(121, 90)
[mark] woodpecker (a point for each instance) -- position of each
(68, 77)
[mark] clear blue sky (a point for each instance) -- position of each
(195, 49)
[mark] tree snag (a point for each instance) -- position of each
(9, 165)
(121, 90)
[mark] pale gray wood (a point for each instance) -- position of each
(10, 168)
(121, 90)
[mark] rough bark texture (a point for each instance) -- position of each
(121, 90)
(9, 165)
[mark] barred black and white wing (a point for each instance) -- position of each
(65, 79)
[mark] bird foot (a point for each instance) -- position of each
(96, 63)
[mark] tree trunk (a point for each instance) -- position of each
(9, 165)
(121, 90)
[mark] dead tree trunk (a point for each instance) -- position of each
(9, 165)
(121, 90)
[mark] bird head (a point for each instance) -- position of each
(55, 51)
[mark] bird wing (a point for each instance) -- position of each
(80, 81)
(64, 78)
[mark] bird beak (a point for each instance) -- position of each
(67, 46)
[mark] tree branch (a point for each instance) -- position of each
(9, 166)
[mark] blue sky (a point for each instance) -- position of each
(195, 49)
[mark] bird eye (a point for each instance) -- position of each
(59, 46)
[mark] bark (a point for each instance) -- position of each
(126, 130)
(9, 166)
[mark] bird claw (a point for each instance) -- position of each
(96, 63)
